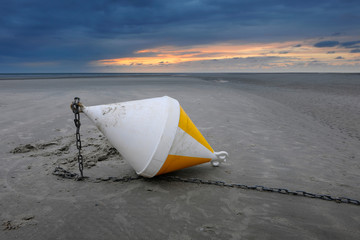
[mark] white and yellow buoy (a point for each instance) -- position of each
(154, 135)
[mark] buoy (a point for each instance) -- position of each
(155, 136)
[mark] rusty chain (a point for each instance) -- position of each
(75, 106)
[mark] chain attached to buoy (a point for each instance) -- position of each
(60, 172)
(75, 106)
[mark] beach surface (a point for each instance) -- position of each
(293, 131)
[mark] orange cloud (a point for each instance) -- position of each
(171, 55)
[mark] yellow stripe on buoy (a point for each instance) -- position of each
(175, 162)
(189, 127)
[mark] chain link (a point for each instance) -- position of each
(66, 174)
(263, 189)
(75, 106)
(61, 172)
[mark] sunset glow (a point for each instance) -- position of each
(180, 36)
(287, 54)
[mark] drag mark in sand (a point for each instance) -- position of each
(19, 222)
(38, 161)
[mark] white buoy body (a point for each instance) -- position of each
(155, 135)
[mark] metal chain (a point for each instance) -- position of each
(264, 189)
(61, 172)
(66, 174)
(75, 106)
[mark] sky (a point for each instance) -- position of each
(134, 36)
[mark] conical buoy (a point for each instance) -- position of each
(154, 135)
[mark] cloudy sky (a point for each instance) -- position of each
(179, 36)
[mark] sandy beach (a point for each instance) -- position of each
(293, 131)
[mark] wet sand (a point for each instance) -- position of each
(294, 131)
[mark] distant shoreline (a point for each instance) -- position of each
(35, 76)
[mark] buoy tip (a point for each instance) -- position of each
(221, 157)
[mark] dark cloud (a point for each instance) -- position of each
(330, 52)
(86, 30)
(347, 44)
(339, 57)
(297, 45)
(352, 44)
(355, 50)
(326, 44)
(283, 52)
